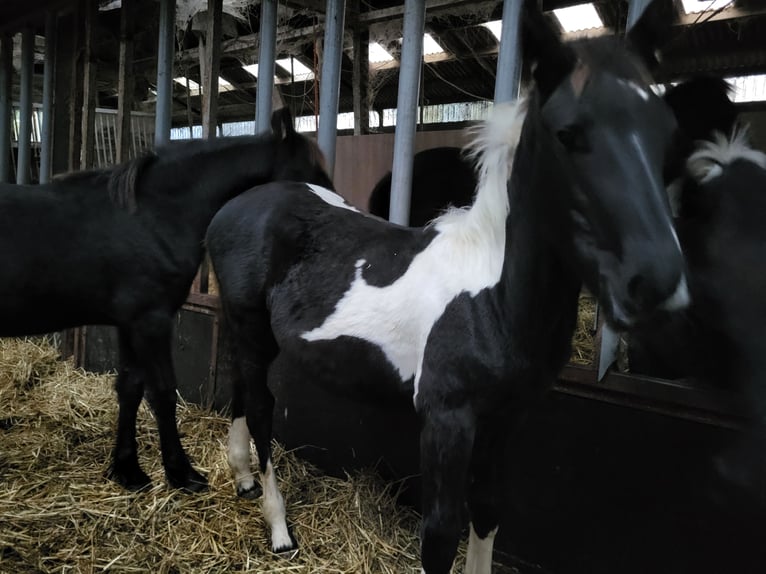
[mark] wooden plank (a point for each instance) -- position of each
(125, 81)
(88, 144)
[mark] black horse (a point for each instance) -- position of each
(718, 340)
(441, 177)
(121, 247)
(471, 316)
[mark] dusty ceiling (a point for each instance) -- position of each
(728, 43)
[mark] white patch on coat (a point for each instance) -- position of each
(478, 558)
(680, 298)
(239, 455)
(274, 511)
(707, 162)
(466, 256)
(329, 196)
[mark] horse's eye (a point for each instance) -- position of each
(573, 138)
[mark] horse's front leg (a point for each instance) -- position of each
(486, 492)
(151, 342)
(130, 390)
(446, 440)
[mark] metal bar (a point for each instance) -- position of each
(46, 137)
(212, 65)
(6, 71)
(125, 81)
(329, 87)
(406, 112)
(25, 106)
(509, 57)
(165, 49)
(266, 56)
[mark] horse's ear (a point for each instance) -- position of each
(282, 124)
(652, 30)
(552, 60)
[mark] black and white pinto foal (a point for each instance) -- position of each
(471, 316)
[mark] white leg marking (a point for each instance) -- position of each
(478, 559)
(274, 511)
(239, 455)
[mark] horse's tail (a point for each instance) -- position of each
(123, 179)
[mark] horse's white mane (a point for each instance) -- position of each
(707, 161)
(492, 149)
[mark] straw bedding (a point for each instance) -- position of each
(58, 513)
(583, 340)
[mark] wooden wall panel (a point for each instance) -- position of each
(363, 160)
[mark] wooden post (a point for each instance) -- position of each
(125, 82)
(6, 73)
(89, 101)
(212, 66)
(361, 75)
(165, 50)
(76, 97)
(62, 92)
(25, 106)
(46, 137)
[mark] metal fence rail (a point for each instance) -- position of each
(141, 136)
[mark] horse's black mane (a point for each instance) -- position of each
(121, 180)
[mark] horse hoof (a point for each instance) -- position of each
(251, 493)
(285, 546)
(134, 479)
(191, 482)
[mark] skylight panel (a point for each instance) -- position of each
(193, 86)
(299, 71)
(251, 69)
(431, 46)
(697, 6)
(748, 88)
(494, 26)
(378, 54)
(579, 17)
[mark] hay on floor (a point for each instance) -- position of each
(58, 513)
(583, 339)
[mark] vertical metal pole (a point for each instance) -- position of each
(165, 51)
(635, 10)
(6, 72)
(25, 105)
(329, 87)
(46, 137)
(509, 58)
(266, 56)
(406, 111)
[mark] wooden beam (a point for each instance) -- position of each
(360, 74)
(125, 81)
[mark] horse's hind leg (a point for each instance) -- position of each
(485, 495)
(150, 340)
(130, 390)
(254, 355)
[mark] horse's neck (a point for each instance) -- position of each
(539, 287)
(196, 188)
